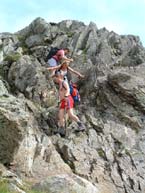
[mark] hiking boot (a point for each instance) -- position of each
(81, 127)
(62, 131)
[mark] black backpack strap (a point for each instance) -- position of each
(63, 85)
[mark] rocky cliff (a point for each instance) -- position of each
(109, 156)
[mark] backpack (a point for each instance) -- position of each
(74, 93)
(52, 52)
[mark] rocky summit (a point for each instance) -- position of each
(108, 157)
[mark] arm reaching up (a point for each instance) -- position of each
(53, 67)
(76, 72)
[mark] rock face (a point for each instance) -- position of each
(109, 156)
(66, 183)
(21, 140)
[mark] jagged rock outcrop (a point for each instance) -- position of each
(110, 153)
(15, 184)
(66, 183)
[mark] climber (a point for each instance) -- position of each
(66, 104)
(59, 55)
(64, 68)
(56, 58)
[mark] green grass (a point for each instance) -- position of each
(5, 189)
(1, 47)
(12, 57)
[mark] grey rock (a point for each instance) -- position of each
(66, 183)
(110, 153)
(3, 89)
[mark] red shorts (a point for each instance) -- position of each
(67, 103)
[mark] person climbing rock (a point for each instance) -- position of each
(57, 55)
(65, 70)
(66, 105)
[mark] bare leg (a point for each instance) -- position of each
(76, 119)
(61, 122)
(61, 117)
(72, 115)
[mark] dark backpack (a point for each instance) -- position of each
(52, 52)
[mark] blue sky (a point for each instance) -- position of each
(121, 16)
